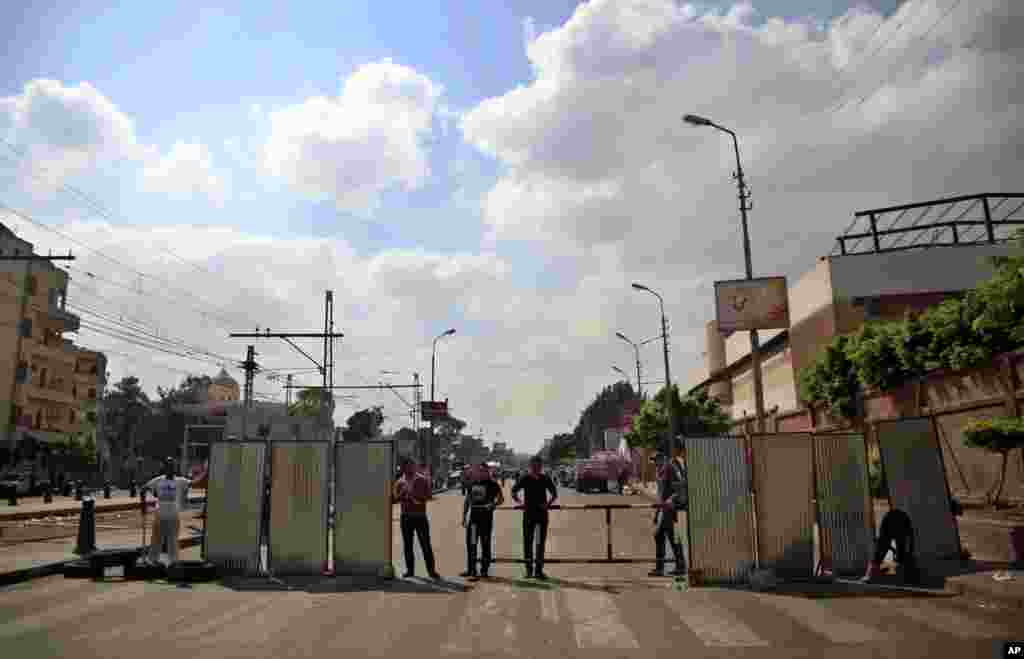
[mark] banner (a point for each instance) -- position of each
(748, 304)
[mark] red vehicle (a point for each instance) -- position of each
(595, 472)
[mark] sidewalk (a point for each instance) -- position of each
(31, 560)
(30, 507)
(972, 578)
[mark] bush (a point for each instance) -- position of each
(874, 353)
(832, 380)
(1000, 435)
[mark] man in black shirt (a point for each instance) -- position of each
(483, 497)
(537, 485)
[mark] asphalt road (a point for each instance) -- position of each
(584, 611)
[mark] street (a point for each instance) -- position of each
(613, 610)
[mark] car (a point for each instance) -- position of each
(19, 482)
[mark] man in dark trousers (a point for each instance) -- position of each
(413, 491)
(478, 518)
(537, 485)
(672, 499)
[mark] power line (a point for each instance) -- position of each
(35, 222)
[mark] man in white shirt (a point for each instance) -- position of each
(171, 492)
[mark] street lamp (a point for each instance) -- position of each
(744, 196)
(636, 350)
(674, 422)
(433, 365)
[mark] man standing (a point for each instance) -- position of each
(672, 499)
(535, 513)
(413, 491)
(478, 519)
(171, 493)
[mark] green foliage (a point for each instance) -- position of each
(832, 380)
(650, 426)
(958, 334)
(604, 412)
(308, 402)
(999, 435)
(363, 425)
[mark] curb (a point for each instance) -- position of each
(971, 590)
(50, 569)
(15, 516)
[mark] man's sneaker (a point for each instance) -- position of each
(656, 573)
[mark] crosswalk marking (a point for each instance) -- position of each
(596, 621)
(712, 624)
(481, 619)
(71, 610)
(821, 620)
(549, 606)
(946, 620)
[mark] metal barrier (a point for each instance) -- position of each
(914, 469)
(609, 558)
(784, 493)
(844, 511)
(297, 535)
(362, 522)
(235, 506)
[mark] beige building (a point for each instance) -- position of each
(49, 388)
(881, 281)
(222, 388)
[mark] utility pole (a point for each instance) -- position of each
(10, 423)
(327, 367)
(250, 367)
(288, 392)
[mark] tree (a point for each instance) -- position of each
(189, 392)
(126, 408)
(999, 435)
(605, 411)
(308, 402)
(364, 425)
(649, 427)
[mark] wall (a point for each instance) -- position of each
(935, 269)
(777, 381)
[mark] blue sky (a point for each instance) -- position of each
(458, 184)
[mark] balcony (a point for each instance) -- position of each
(53, 353)
(36, 392)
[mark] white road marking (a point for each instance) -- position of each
(65, 613)
(485, 624)
(822, 620)
(948, 621)
(549, 606)
(712, 624)
(596, 621)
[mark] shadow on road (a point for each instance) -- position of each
(343, 584)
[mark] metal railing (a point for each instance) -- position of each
(609, 558)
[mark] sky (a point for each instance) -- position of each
(503, 169)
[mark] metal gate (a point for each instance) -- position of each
(720, 528)
(784, 492)
(234, 507)
(845, 515)
(912, 460)
(298, 506)
(362, 523)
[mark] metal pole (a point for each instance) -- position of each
(639, 387)
(673, 421)
(428, 449)
(755, 343)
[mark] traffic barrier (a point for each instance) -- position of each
(235, 506)
(86, 528)
(299, 473)
(362, 513)
(783, 477)
(609, 558)
(842, 503)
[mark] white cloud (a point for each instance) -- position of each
(186, 171)
(352, 147)
(65, 130)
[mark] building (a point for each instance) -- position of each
(221, 388)
(888, 263)
(50, 389)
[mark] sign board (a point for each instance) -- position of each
(748, 304)
(434, 410)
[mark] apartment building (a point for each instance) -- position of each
(49, 388)
(890, 261)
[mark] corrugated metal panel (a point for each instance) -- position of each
(298, 506)
(721, 512)
(917, 484)
(362, 530)
(234, 508)
(784, 493)
(844, 513)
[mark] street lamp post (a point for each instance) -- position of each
(673, 421)
(744, 196)
(623, 374)
(636, 350)
(428, 453)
